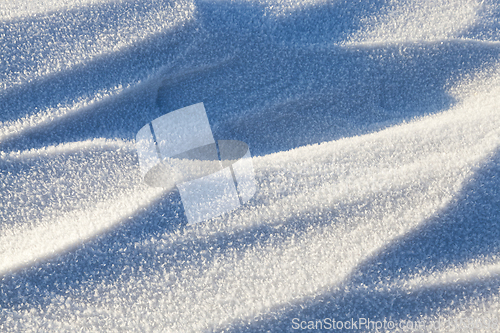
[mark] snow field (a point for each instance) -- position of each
(341, 225)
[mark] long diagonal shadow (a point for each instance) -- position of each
(101, 72)
(92, 78)
(106, 257)
(313, 94)
(465, 231)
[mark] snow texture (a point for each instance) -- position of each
(374, 128)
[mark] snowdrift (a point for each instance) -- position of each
(374, 128)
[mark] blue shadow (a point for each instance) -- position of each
(466, 230)
(265, 82)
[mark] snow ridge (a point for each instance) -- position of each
(375, 131)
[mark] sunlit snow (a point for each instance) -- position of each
(374, 129)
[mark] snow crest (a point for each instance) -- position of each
(374, 128)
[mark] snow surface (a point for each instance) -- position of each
(375, 131)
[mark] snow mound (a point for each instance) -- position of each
(374, 128)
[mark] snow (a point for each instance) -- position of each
(374, 128)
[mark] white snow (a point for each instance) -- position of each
(374, 128)
(414, 21)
